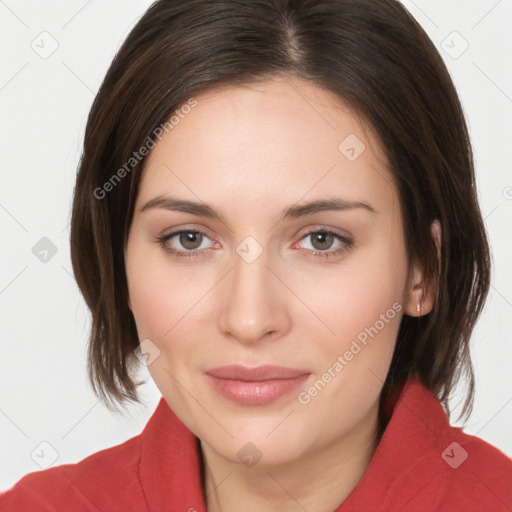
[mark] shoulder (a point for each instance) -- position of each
(462, 472)
(476, 472)
(424, 460)
(105, 480)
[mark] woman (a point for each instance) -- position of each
(276, 212)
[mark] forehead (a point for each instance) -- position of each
(274, 141)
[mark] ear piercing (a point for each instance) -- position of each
(418, 307)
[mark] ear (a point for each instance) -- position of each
(421, 298)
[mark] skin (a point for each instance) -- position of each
(250, 152)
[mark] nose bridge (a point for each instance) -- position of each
(253, 305)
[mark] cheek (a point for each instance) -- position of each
(150, 306)
(365, 292)
(160, 295)
(362, 304)
(163, 308)
(151, 301)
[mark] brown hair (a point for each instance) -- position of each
(375, 57)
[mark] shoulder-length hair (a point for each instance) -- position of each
(376, 58)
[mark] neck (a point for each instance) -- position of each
(318, 482)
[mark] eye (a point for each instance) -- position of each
(322, 241)
(190, 240)
(188, 243)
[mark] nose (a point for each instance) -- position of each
(254, 302)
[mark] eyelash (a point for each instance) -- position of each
(162, 241)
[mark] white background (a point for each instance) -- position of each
(44, 394)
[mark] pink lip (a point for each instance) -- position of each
(255, 386)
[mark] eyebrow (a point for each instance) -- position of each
(292, 212)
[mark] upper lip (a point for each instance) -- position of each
(256, 374)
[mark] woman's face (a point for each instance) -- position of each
(274, 280)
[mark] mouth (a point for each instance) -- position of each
(260, 385)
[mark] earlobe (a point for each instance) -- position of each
(421, 297)
(417, 302)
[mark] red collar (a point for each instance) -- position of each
(170, 469)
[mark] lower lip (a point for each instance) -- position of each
(255, 393)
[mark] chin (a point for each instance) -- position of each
(258, 449)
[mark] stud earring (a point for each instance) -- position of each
(418, 307)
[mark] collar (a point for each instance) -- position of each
(169, 468)
(406, 469)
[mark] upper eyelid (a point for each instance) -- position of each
(177, 231)
(334, 231)
(314, 229)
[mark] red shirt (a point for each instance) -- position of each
(421, 464)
